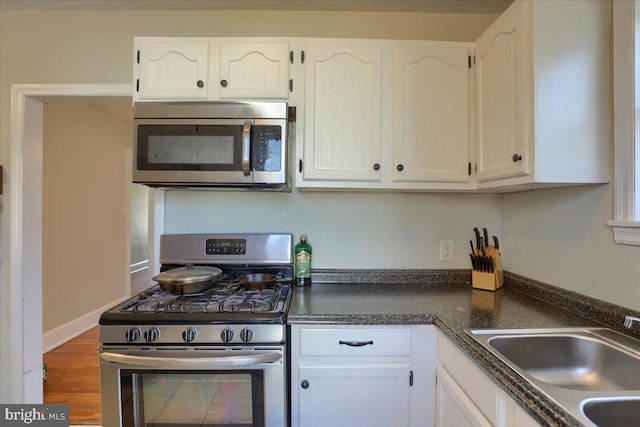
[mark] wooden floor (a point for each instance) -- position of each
(73, 378)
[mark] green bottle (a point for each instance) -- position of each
(303, 262)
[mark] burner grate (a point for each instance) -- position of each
(227, 297)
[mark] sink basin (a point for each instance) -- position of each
(571, 361)
(592, 373)
(613, 413)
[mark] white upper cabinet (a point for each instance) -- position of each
(342, 111)
(171, 69)
(431, 113)
(543, 95)
(198, 68)
(502, 79)
(254, 70)
(381, 114)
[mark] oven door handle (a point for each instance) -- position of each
(191, 362)
(246, 148)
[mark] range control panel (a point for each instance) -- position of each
(226, 247)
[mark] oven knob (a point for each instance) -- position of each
(246, 335)
(150, 335)
(189, 335)
(227, 335)
(132, 334)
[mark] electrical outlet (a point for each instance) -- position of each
(446, 250)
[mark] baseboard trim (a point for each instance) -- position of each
(63, 333)
(139, 266)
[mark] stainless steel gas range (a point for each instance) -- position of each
(213, 357)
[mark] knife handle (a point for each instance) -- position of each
(477, 232)
(495, 242)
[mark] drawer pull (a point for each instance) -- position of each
(355, 343)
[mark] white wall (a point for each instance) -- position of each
(345, 229)
(559, 236)
(87, 156)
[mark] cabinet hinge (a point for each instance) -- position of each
(410, 378)
(302, 57)
(290, 85)
(469, 168)
(291, 57)
(300, 166)
(137, 85)
(138, 57)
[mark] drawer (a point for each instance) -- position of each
(364, 341)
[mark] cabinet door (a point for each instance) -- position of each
(353, 395)
(254, 70)
(431, 114)
(343, 112)
(502, 71)
(453, 406)
(173, 70)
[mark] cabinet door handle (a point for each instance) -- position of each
(223, 83)
(376, 166)
(200, 83)
(355, 343)
(516, 158)
(304, 384)
(400, 167)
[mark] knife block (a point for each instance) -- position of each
(489, 281)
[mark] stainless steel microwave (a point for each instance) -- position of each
(211, 144)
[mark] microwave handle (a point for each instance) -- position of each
(246, 148)
(191, 363)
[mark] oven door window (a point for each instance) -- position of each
(192, 398)
(189, 147)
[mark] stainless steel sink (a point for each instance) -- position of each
(571, 361)
(593, 373)
(614, 413)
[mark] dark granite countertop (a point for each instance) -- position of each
(446, 299)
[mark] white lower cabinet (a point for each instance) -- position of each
(466, 396)
(367, 395)
(362, 376)
(453, 406)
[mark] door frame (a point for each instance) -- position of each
(21, 297)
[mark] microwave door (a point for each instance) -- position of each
(204, 152)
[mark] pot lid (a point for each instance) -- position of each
(188, 274)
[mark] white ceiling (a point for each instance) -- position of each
(421, 6)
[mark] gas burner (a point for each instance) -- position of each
(228, 297)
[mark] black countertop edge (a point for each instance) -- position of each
(603, 312)
(333, 276)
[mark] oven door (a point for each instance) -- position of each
(193, 386)
(234, 152)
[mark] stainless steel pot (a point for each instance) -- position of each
(188, 280)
